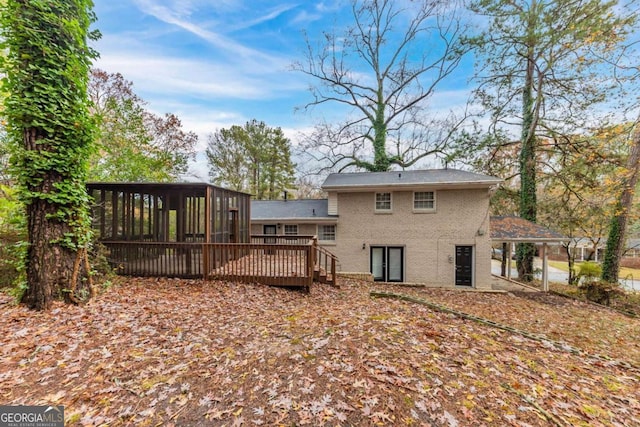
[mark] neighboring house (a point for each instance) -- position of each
(423, 226)
(583, 249)
(294, 218)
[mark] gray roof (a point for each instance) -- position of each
(413, 178)
(516, 229)
(290, 209)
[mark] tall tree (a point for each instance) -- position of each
(254, 158)
(618, 226)
(577, 188)
(134, 144)
(383, 70)
(541, 65)
(47, 68)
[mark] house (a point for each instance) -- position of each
(421, 226)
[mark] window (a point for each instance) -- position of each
(291, 229)
(424, 200)
(327, 232)
(383, 202)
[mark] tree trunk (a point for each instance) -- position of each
(571, 261)
(380, 157)
(503, 261)
(618, 227)
(528, 200)
(50, 262)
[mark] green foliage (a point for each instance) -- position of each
(50, 132)
(13, 236)
(48, 98)
(134, 145)
(611, 263)
(254, 158)
(589, 270)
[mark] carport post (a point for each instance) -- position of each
(545, 268)
(510, 245)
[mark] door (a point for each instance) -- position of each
(464, 265)
(270, 229)
(387, 263)
(234, 226)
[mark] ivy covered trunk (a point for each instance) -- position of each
(56, 266)
(618, 227)
(528, 200)
(50, 132)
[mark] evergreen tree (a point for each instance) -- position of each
(254, 158)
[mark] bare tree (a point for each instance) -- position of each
(383, 69)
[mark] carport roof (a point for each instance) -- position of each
(516, 229)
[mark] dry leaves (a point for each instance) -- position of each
(175, 352)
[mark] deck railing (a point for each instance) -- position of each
(271, 264)
(325, 265)
(273, 239)
(269, 259)
(155, 258)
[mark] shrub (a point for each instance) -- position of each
(600, 292)
(589, 271)
(13, 236)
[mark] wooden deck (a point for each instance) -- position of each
(279, 262)
(281, 267)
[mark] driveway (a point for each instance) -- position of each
(557, 275)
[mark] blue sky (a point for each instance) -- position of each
(223, 62)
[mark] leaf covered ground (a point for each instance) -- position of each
(189, 353)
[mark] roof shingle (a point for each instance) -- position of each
(434, 177)
(516, 229)
(289, 209)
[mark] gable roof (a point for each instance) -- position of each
(433, 178)
(290, 209)
(516, 229)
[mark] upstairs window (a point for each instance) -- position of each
(383, 202)
(327, 233)
(291, 229)
(424, 201)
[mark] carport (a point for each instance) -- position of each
(513, 229)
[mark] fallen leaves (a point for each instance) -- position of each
(176, 352)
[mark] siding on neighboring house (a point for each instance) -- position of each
(306, 214)
(333, 203)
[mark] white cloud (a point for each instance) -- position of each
(175, 16)
(275, 13)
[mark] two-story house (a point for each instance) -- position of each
(421, 226)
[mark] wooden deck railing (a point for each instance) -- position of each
(271, 239)
(284, 261)
(155, 258)
(271, 264)
(325, 266)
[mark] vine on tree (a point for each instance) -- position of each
(46, 71)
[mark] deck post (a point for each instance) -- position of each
(333, 270)
(205, 261)
(545, 268)
(312, 261)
